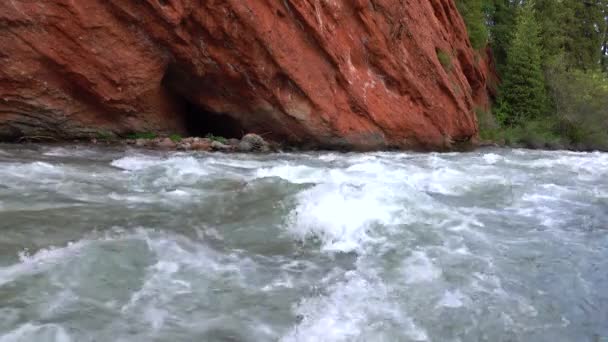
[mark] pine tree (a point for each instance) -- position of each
(585, 26)
(501, 15)
(551, 16)
(523, 94)
(472, 12)
(604, 61)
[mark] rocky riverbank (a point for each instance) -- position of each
(249, 143)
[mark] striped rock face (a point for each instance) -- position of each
(359, 74)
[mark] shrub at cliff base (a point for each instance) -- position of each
(577, 119)
(581, 106)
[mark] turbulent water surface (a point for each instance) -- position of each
(115, 245)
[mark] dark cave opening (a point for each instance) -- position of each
(200, 123)
(198, 120)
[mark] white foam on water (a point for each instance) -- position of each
(452, 299)
(64, 298)
(157, 291)
(45, 186)
(135, 163)
(166, 172)
(179, 260)
(420, 268)
(297, 174)
(40, 261)
(353, 309)
(178, 193)
(171, 197)
(143, 198)
(46, 259)
(519, 151)
(344, 211)
(59, 152)
(174, 166)
(492, 158)
(178, 167)
(302, 174)
(588, 166)
(221, 161)
(40, 167)
(386, 210)
(282, 281)
(329, 157)
(341, 215)
(370, 169)
(347, 204)
(442, 180)
(76, 151)
(351, 209)
(37, 172)
(38, 333)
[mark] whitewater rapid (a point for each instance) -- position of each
(107, 244)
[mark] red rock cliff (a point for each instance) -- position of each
(353, 73)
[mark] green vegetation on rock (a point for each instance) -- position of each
(445, 59)
(175, 138)
(216, 138)
(105, 136)
(474, 17)
(142, 135)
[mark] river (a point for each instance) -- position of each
(114, 244)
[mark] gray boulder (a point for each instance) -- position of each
(234, 142)
(218, 146)
(253, 143)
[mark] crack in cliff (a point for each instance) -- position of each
(196, 119)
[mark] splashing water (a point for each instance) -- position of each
(113, 245)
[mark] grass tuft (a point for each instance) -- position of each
(445, 59)
(142, 135)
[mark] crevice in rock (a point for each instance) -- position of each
(198, 120)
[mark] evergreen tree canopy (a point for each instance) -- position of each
(604, 39)
(584, 23)
(523, 93)
(551, 16)
(501, 14)
(474, 17)
(552, 57)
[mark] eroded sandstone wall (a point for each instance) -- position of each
(352, 73)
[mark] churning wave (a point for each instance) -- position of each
(131, 245)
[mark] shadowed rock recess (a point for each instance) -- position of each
(360, 74)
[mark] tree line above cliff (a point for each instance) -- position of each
(552, 58)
